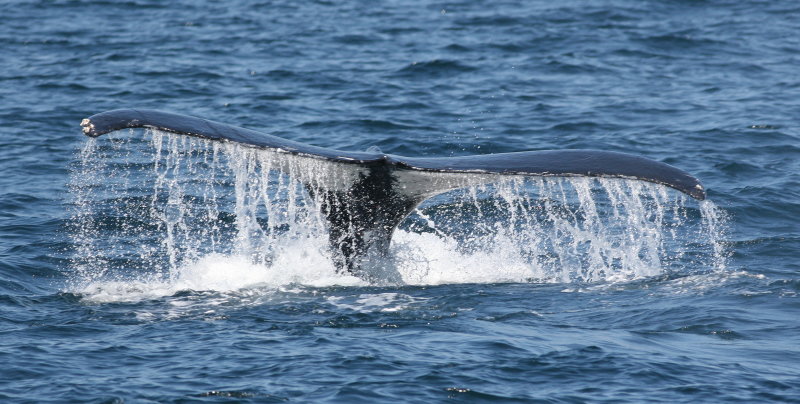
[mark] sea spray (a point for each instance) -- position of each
(170, 210)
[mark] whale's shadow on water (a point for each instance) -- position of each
(360, 198)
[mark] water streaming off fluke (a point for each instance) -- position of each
(161, 212)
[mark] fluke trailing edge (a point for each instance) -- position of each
(372, 192)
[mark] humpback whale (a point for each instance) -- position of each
(372, 192)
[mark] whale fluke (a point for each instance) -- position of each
(376, 191)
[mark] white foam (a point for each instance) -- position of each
(428, 259)
(220, 273)
(375, 302)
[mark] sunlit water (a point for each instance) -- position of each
(144, 267)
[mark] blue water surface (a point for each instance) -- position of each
(712, 87)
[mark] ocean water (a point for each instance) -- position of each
(149, 267)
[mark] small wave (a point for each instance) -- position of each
(564, 66)
(362, 124)
(578, 127)
(312, 79)
(354, 39)
(454, 47)
(387, 302)
(763, 126)
(679, 41)
(493, 21)
(433, 69)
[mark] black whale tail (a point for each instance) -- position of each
(371, 192)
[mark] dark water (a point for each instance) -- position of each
(709, 86)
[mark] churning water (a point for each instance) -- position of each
(158, 213)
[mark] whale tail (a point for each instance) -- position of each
(365, 195)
